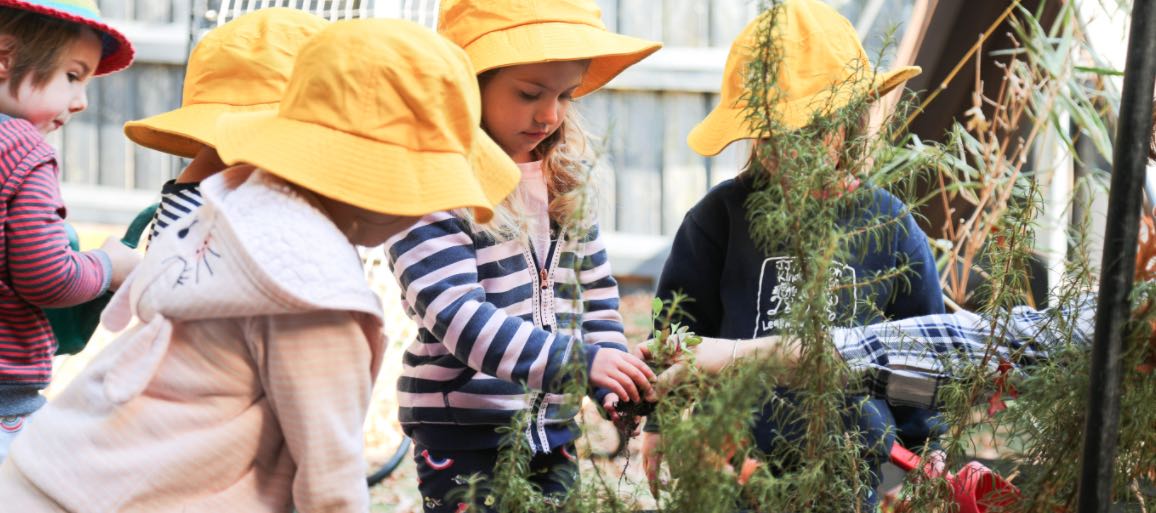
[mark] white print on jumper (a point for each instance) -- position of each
(778, 288)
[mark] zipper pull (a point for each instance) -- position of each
(542, 278)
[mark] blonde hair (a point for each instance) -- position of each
(566, 165)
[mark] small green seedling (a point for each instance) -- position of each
(667, 346)
(672, 342)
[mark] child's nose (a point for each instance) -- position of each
(79, 102)
(549, 113)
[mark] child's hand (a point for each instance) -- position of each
(670, 379)
(652, 460)
(644, 351)
(627, 416)
(123, 259)
(713, 355)
(623, 374)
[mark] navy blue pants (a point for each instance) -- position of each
(443, 476)
(781, 421)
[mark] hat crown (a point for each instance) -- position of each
(427, 99)
(819, 50)
(464, 21)
(249, 60)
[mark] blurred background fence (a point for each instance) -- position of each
(647, 177)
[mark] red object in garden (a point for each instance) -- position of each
(1002, 388)
(976, 487)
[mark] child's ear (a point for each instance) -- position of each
(7, 54)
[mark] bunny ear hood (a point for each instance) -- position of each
(257, 246)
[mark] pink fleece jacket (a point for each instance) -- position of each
(244, 385)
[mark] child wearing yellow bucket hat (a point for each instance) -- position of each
(738, 284)
(241, 66)
(245, 382)
(503, 305)
(49, 52)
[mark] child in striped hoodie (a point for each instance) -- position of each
(503, 308)
(49, 51)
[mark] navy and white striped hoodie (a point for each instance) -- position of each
(494, 323)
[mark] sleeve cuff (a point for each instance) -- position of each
(591, 350)
(106, 268)
(851, 345)
(613, 345)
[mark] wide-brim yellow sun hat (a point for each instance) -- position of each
(241, 66)
(383, 115)
(185, 131)
(501, 33)
(823, 68)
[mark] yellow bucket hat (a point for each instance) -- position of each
(381, 114)
(500, 33)
(819, 50)
(241, 66)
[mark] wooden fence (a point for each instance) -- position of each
(647, 179)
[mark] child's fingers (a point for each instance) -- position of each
(750, 465)
(651, 460)
(646, 371)
(610, 405)
(627, 384)
(610, 401)
(669, 379)
(615, 387)
(604, 373)
(637, 377)
(641, 351)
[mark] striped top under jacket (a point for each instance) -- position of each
(493, 324)
(37, 268)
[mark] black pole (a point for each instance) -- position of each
(1129, 159)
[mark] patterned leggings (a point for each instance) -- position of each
(443, 476)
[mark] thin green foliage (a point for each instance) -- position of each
(984, 161)
(805, 195)
(814, 202)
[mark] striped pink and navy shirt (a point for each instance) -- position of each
(497, 320)
(37, 267)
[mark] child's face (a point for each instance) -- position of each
(363, 227)
(50, 106)
(832, 141)
(523, 105)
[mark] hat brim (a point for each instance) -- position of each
(372, 175)
(184, 131)
(609, 53)
(116, 50)
(728, 123)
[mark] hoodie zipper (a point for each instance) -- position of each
(538, 402)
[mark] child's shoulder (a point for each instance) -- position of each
(727, 192)
(18, 129)
(882, 202)
(21, 142)
(721, 205)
